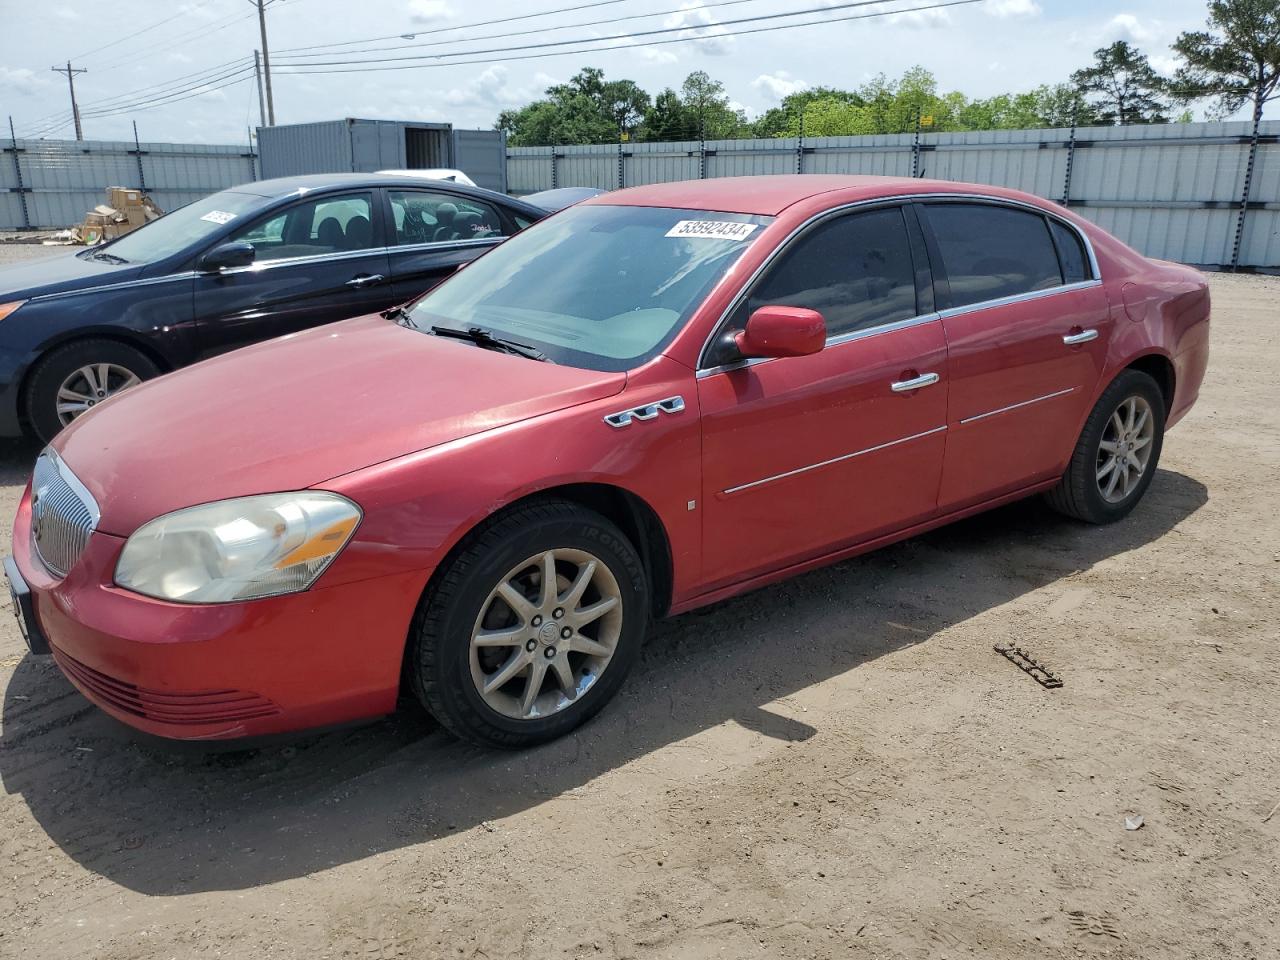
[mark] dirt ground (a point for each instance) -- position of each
(838, 767)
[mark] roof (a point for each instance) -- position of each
(770, 195)
(284, 186)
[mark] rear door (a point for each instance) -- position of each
(318, 260)
(432, 232)
(1027, 325)
(804, 455)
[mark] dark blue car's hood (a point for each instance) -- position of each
(60, 273)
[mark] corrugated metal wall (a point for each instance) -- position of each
(63, 179)
(1172, 191)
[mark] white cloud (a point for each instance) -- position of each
(660, 55)
(702, 25)
(66, 13)
(1163, 65)
(490, 89)
(24, 81)
(922, 19)
(426, 11)
(1125, 26)
(777, 86)
(1012, 8)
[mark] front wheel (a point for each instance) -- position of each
(1117, 453)
(73, 379)
(531, 628)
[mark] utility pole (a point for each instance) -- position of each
(266, 59)
(257, 75)
(71, 82)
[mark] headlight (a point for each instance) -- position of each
(238, 549)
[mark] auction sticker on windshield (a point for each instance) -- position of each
(712, 229)
(218, 216)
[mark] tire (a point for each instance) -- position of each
(60, 367)
(1091, 492)
(467, 601)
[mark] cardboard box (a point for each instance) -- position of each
(123, 197)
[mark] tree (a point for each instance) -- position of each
(1123, 86)
(707, 108)
(1237, 58)
(665, 120)
(587, 109)
(784, 119)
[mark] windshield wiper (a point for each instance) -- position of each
(108, 257)
(484, 338)
(401, 316)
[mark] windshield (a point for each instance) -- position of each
(600, 287)
(176, 231)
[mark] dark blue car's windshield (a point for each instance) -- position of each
(176, 231)
(601, 287)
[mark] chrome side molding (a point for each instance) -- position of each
(649, 411)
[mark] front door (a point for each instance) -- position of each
(803, 456)
(1027, 325)
(318, 261)
(432, 234)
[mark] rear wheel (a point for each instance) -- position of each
(532, 627)
(73, 379)
(1117, 453)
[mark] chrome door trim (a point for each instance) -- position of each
(432, 245)
(123, 284)
(1015, 406)
(833, 460)
(1095, 279)
(258, 266)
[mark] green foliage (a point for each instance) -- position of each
(1236, 59)
(587, 109)
(1121, 87)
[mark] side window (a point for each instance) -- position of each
(324, 225)
(990, 251)
(1075, 265)
(424, 217)
(855, 270)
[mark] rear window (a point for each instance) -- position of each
(990, 252)
(1075, 265)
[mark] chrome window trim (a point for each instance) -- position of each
(1015, 406)
(833, 460)
(1018, 298)
(441, 244)
(1095, 280)
(260, 265)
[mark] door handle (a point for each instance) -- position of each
(365, 280)
(1084, 336)
(915, 383)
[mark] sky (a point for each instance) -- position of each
(134, 50)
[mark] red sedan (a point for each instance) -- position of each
(646, 403)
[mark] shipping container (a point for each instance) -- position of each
(364, 146)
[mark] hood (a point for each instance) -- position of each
(291, 413)
(59, 274)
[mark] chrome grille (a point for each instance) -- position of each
(63, 514)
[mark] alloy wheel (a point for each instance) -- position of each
(1125, 449)
(546, 633)
(89, 385)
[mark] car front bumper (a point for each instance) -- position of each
(218, 671)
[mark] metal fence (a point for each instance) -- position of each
(52, 183)
(1202, 193)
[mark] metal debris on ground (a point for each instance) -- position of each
(1029, 665)
(1134, 822)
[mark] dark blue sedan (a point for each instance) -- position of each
(249, 263)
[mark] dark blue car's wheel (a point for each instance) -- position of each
(73, 379)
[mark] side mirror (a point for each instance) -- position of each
(777, 331)
(238, 253)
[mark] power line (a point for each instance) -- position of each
(629, 36)
(545, 29)
(461, 26)
(90, 54)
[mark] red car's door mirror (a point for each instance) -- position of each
(777, 331)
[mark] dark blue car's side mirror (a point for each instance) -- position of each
(238, 253)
